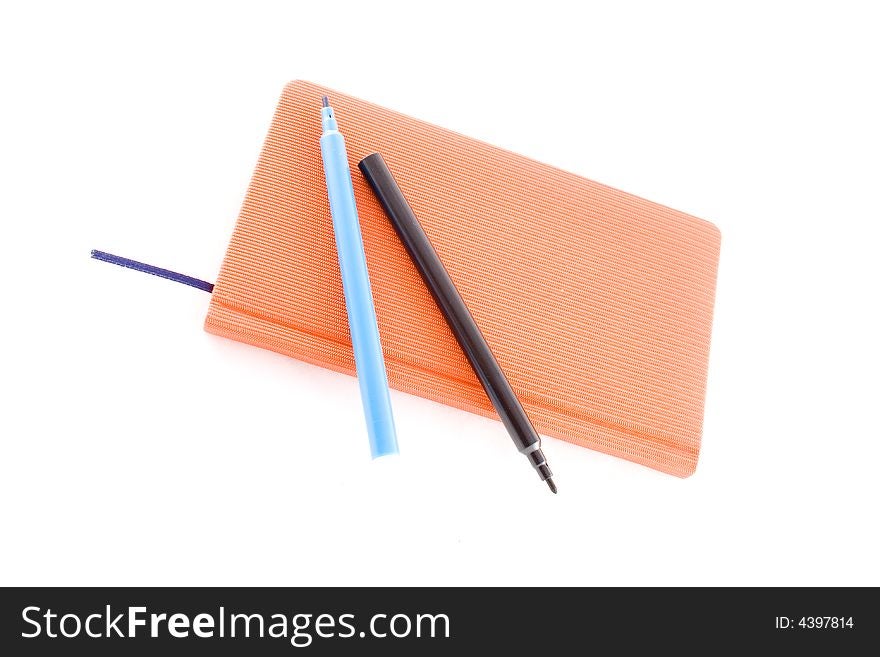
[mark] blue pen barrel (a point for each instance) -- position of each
(364, 330)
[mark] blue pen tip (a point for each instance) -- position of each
(325, 102)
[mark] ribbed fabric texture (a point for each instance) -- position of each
(596, 303)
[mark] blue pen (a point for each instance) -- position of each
(356, 286)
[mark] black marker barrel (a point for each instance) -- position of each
(457, 315)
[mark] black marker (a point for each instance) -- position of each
(456, 313)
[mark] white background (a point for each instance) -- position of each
(137, 449)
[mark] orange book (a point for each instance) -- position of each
(596, 303)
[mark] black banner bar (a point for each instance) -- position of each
(406, 621)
